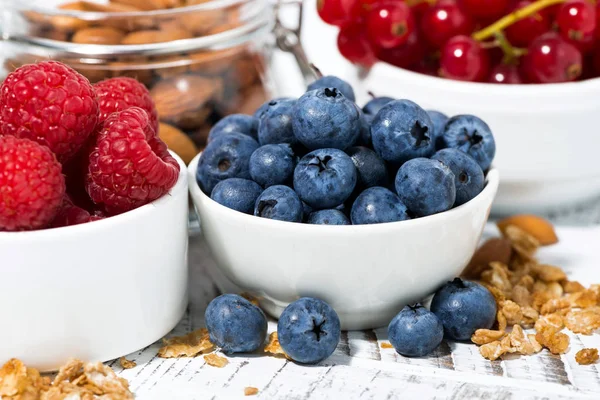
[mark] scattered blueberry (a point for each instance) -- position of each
(370, 167)
(401, 131)
(415, 331)
(333, 82)
(272, 164)
(308, 330)
(275, 126)
(279, 202)
(226, 156)
(237, 193)
(473, 136)
(377, 205)
(260, 111)
(375, 104)
(324, 118)
(439, 122)
(425, 186)
(468, 176)
(235, 325)
(325, 178)
(241, 123)
(463, 307)
(328, 217)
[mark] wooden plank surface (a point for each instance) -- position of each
(361, 369)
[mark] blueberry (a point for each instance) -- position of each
(333, 82)
(308, 330)
(279, 202)
(468, 176)
(241, 123)
(325, 178)
(377, 205)
(227, 156)
(439, 122)
(364, 135)
(306, 209)
(463, 307)
(370, 167)
(375, 104)
(235, 325)
(275, 125)
(415, 331)
(473, 136)
(401, 131)
(260, 111)
(272, 164)
(237, 193)
(328, 217)
(426, 186)
(324, 118)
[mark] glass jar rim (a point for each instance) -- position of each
(99, 15)
(261, 22)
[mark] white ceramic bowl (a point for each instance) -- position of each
(95, 291)
(545, 134)
(366, 272)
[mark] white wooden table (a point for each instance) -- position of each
(361, 369)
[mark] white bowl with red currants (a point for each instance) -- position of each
(528, 68)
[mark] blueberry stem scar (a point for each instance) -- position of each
(316, 329)
(419, 132)
(265, 207)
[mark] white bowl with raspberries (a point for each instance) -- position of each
(367, 208)
(93, 219)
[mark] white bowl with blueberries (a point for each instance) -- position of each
(405, 197)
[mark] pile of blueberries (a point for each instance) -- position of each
(309, 329)
(321, 159)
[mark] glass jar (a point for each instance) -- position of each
(201, 60)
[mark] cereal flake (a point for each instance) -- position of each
(250, 391)
(582, 321)
(549, 337)
(127, 364)
(486, 336)
(273, 347)
(215, 360)
(189, 345)
(386, 345)
(586, 356)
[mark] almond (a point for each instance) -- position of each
(155, 36)
(214, 62)
(148, 5)
(178, 141)
(109, 7)
(181, 101)
(201, 22)
(493, 250)
(538, 227)
(105, 35)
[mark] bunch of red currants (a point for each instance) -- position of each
(496, 41)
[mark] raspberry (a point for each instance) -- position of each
(50, 103)
(118, 94)
(69, 214)
(129, 165)
(31, 185)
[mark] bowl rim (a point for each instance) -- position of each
(489, 89)
(491, 186)
(135, 214)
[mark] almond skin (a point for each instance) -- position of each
(538, 227)
(178, 141)
(493, 250)
(104, 35)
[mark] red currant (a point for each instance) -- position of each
(523, 32)
(353, 44)
(464, 59)
(404, 56)
(445, 20)
(576, 18)
(585, 44)
(366, 6)
(485, 9)
(390, 24)
(505, 74)
(337, 12)
(551, 59)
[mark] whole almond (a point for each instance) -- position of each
(181, 101)
(148, 5)
(60, 22)
(178, 141)
(109, 7)
(493, 250)
(104, 35)
(538, 227)
(155, 36)
(201, 22)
